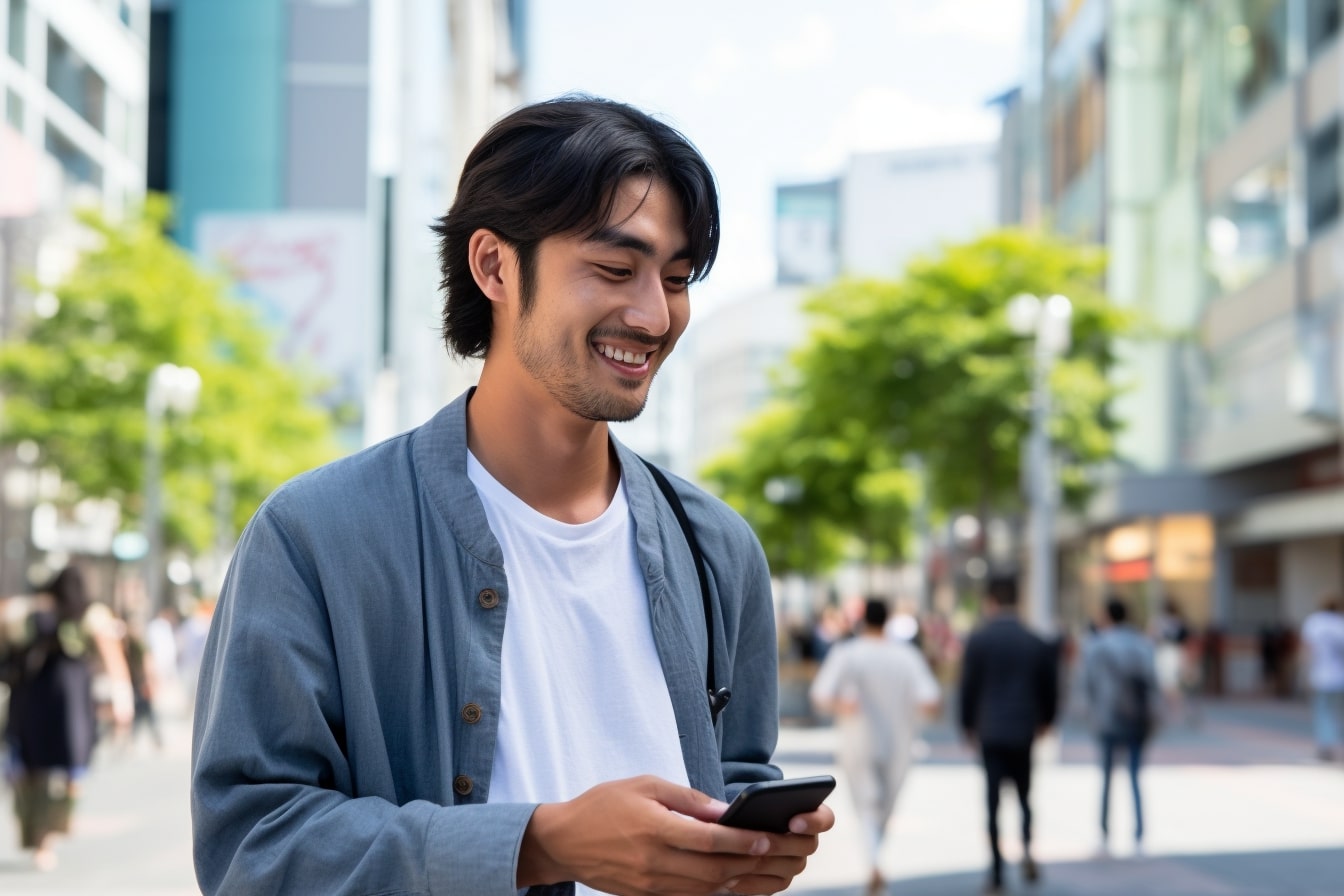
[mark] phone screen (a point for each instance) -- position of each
(768, 805)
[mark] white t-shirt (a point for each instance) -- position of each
(890, 681)
(583, 697)
(1323, 633)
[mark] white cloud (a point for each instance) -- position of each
(812, 45)
(723, 60)
(991, 21)
(882, 118)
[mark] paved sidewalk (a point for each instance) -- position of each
(1234, 806)
(131, 834)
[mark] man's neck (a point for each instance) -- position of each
(558, 463)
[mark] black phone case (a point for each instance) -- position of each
(768, 805)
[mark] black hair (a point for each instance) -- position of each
(70, 595)
(552, 168)
(1116, 610)
(875, 612)
(1002, 590)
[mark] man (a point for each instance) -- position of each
(1009, 696)
(876, 688)
(1120, 680)
(367, 722)
(1323, 637)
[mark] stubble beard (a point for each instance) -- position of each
(564, 378)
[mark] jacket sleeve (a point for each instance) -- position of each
(750, 724)
(969, 696)
(274, 799)
(1048, 681)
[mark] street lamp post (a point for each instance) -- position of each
(1048, 323)
(171, 388)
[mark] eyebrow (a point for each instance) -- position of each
(619, 239)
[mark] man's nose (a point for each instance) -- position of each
(647, 310)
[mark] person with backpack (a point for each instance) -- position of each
(52, 728)
(1120, 680)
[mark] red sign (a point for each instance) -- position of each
(1129, 570)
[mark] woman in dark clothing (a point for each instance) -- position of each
(52, 725)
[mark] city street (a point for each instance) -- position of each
(1235, 806)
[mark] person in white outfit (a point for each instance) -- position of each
(1323, 638)
(876, 688)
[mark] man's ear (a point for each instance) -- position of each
(494, 265)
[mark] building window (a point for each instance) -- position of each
(76, 163)
(74, 81)
(1322, 23)
(1249, 380)
(1247, 228)
(18, 28)
(1245, 59)
(14, 110)
(1323, 178)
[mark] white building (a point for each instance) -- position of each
(883, 209)
(74, 89)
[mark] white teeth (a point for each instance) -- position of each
(617, 354)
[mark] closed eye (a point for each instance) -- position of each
(613, 271)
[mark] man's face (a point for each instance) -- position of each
(609, 308)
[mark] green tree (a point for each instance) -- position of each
(928, 366)
(75, 384)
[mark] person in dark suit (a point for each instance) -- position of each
(1009, 695)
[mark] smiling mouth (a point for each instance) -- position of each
(621, 356)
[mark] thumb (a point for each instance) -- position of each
(688, 801)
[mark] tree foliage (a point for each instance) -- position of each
(76, 383)
(927, 366)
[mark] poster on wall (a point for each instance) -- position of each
(307, 275)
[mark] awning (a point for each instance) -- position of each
(1307, 514)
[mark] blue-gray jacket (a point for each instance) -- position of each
(350, 689)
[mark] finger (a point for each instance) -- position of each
(760, 885)
(691, 835)
(819, 821)
(687, 800)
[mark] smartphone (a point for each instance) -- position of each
(768, 805)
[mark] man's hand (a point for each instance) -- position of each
(788, 854)
(646, 835)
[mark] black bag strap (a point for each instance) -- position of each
(718, 697)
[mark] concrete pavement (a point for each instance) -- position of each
(132, 829)
(1234, 807)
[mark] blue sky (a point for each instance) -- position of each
(784, 90)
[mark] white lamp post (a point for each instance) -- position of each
(1048, 323)
(171, 388)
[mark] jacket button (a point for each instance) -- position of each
(462, 785)
(488, 598)
(471, 713)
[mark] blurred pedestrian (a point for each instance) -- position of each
(1009, 696)
(143, 687)
(191, 638)
(1120, 681)
(1172, 636)
(1323, 639)
(52, 726)
(877, 689)
(161, 634)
